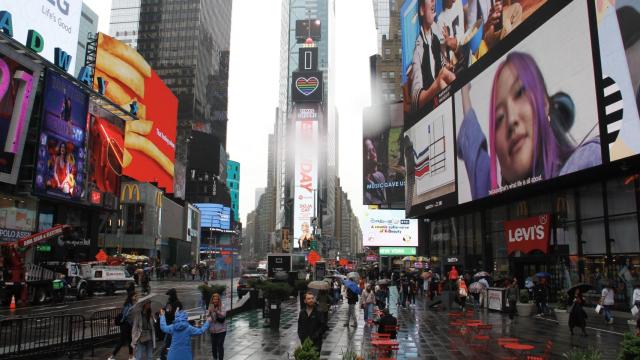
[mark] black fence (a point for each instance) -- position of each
(33, 337)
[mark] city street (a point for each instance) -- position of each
(187, 292)
(424, 334)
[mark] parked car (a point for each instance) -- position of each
(243, 283)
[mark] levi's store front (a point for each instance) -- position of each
(586, 234)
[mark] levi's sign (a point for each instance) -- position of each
(528, 234)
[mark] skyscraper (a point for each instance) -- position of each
(124, 23)
(88, 26)
(187, 43)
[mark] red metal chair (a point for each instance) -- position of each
(480, 341)
(546, 355)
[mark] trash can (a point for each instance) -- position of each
(274, 315)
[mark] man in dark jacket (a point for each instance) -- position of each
(309, 322)
(352, 300)
(172, 306)
(386, 323)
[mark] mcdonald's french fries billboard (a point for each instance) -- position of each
(149, 143)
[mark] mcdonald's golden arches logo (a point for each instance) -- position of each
(522, 209)
(131, 189)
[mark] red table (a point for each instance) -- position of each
(518, 347)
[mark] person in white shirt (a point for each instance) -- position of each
(607, 301)
(636, 296)
(451, 22)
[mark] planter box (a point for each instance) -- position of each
(525, 309)
(562, 316)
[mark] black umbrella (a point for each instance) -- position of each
(583, 289)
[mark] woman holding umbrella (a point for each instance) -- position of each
(577, 316)
(143, 333)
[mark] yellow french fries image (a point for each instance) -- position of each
(138, 142)
(142, 127)
(126, 53)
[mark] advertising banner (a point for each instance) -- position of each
(620, 60)
(541, 118)
(45, 25)
(383, 161)
(306, 86)
(527, 235)
(107, 149)
(430, 159)
(149, 143)
(215, 216)
(457, 37)
(61, 166)
(306, 174)
(19, 78)
(397, 251)
(388, 228)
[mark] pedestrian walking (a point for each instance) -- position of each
(366, 302)
(172, 306)
(413, 291)
(463, 292)
(635, 299)
(310, 325)
(181, 333)
(125, 326)
(483, 292)
(577, 315)
(323, 306)
(218, 326)
(607, 301)
(512, 297)
(541, 292)
(381, 296)
(146, 278)
(336, 292)
(404, 284)
(143, 333)
(352, 300)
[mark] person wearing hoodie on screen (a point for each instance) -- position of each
(181, 333)
(527, 132)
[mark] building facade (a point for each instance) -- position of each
(125, 21)
(233, 184)
(88, 28)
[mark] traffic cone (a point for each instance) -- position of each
(12, 306)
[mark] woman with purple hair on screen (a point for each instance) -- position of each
(527, 132)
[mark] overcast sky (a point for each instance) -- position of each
(254, 82)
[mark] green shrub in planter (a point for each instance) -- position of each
(524, 296)
(306, 351)
(630, 347)
(276, 290)
(591, 353)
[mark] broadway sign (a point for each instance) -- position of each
(526, 235)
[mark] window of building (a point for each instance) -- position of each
(392, 75)
(134, 215)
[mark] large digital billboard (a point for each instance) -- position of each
(44, 26)
(149, 143)
(442, 39)
(383, 163)
(530, 117)
(61, 165)
(19, 78)
(618, 24)
(388, 228)
(430, 158)
(306, 173)
(306, 86)
(216, 216)
(105, 155)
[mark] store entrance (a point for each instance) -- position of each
(527, 267)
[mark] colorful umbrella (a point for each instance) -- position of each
(481, 274)
(352, 286)
(409, 258)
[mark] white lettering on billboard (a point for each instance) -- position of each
(57, 21)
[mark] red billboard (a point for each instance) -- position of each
(129, 81)
(105, 161)
(526, 235)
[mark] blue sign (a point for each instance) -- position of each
(214, 216)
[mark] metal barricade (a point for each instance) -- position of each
(29, 337)
(103, 327)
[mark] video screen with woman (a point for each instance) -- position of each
(532, 115)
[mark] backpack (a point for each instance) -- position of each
(121, 318)
(351, 295)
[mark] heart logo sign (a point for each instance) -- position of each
(307, 86)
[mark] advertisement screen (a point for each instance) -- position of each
(383, 163)
(18, 80)
(61, 166)
(530, 117)
(442, 39)
(306, 86)
(214, 216)
(306, 174)
(388, 228)
(430, 158)
(105, 160)
(618, 29)
(54, 24)
(149, 143)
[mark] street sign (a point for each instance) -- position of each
(43, 248)
(397, 251)
(314, 245)
(344, 262)
(313, 257)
